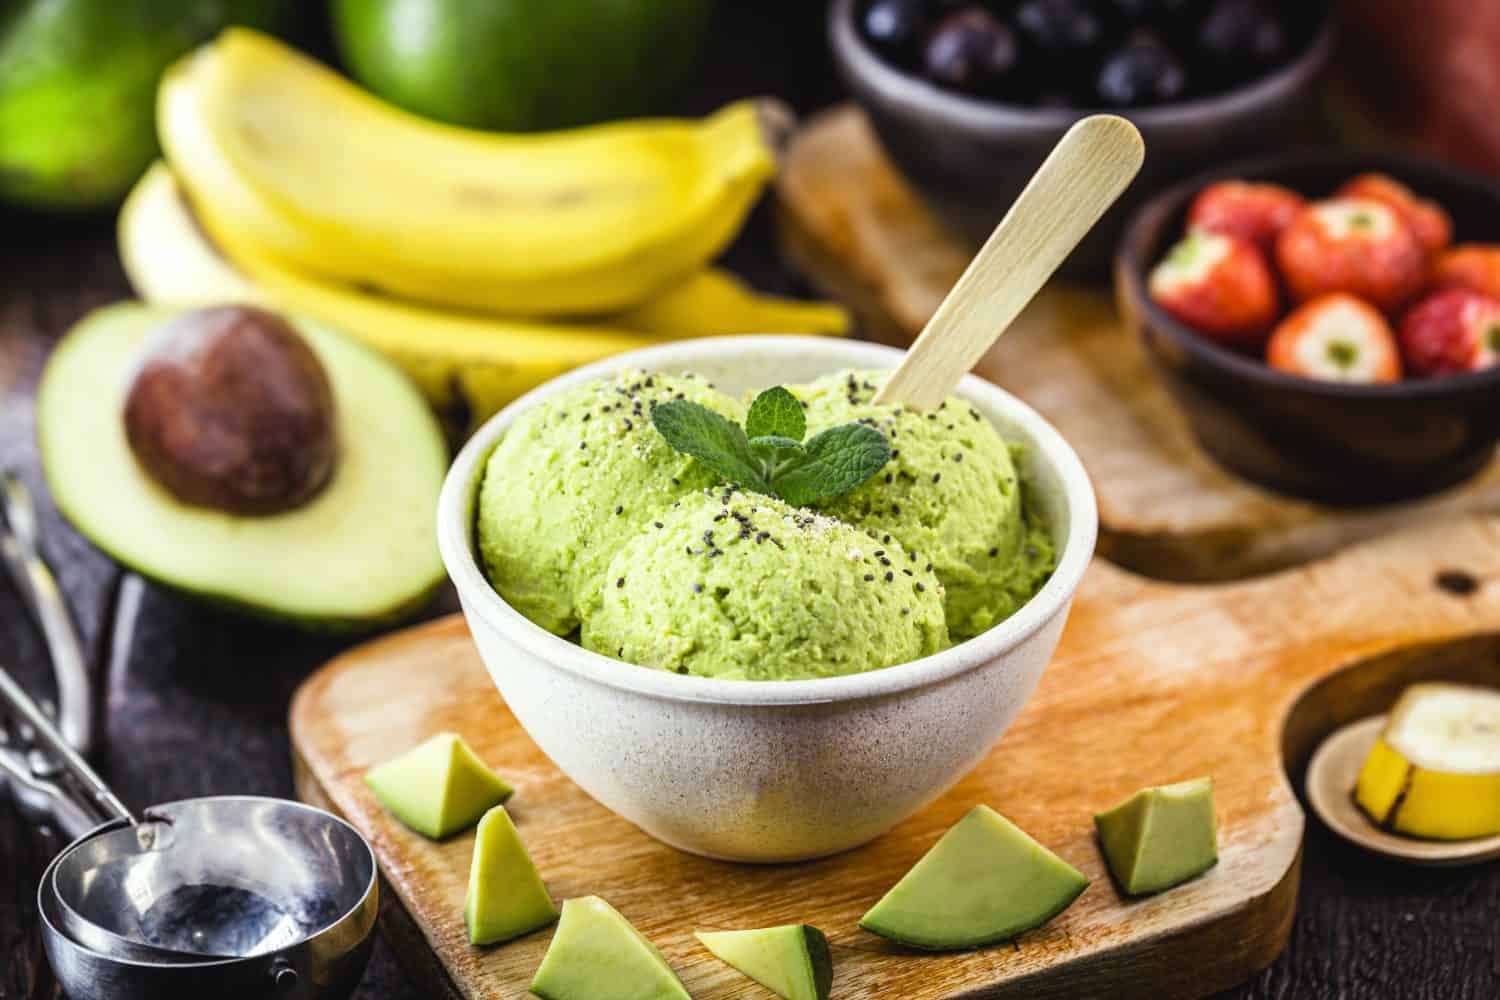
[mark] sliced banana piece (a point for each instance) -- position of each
(1435, 771)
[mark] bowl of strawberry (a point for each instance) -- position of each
(1329, 322)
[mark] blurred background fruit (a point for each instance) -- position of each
(521, 65)
(78, 84)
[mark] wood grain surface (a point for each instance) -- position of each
(1153, 683)
(1166, 509)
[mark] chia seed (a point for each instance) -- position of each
(619, 583)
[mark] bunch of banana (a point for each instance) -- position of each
(483, 264)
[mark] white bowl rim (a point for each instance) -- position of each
(455, 540)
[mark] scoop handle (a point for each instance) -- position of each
(1083, 175)
(52, 767)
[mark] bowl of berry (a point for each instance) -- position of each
(1329, 321)
(968, 97)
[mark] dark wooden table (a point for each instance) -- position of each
(196, 701)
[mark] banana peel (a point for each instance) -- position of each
(1435, 771)
(467, 364)
(575, 223)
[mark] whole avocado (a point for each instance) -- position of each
(522, 65)
(78, 89)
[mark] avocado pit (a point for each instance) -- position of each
(230, 409)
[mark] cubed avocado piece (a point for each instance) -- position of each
(506, 896)
(984, 881)
(597, 955)
(439, 787)
(1160, 837)
(792, 961)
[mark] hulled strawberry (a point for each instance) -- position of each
(1353, 245)
(1427, 219)
(1338, 338)
(1451, 331)
(1475, 266)
(1219, 285)
(1253, 211)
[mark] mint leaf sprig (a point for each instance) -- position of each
(768, 454)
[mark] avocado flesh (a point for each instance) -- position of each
(984, 881)
(439, 787)
(1160, 837)
(791, 961)
(78, 87)
(597, 955)
(361, 552)
(506, 896)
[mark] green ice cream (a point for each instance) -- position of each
(576, 477)
(951, 494)
(743, 586)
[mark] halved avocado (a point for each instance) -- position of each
(361, 552)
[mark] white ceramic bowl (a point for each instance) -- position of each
(771, 771)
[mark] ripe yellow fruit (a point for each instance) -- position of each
(467, 363)
(585, 221)
(1435, 771)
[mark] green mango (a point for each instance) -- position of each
(78, 89)
(522, 65)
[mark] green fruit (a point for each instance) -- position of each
(506, 896)
(78, 89)
(1160, 837)
(984, 881)
(792, 961)
(438, 787)
(597, 955)
(522, 65)
(360, 552)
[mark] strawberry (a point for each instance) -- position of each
(1338, 338)
(1352, 245)
(1219, 285)
(1475, 266)
(1427, 219)
(1451, 331)
(1257, 212)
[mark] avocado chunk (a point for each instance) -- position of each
(506, 895)
(984, 881)
(1160, 837)
(356, 552)
(439, 787)
(597, 955)
(791, 961)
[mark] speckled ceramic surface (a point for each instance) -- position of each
(772, 770)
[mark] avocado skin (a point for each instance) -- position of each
(520, 65)
(78, 89)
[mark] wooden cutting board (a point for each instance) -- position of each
(1153, 683)
(1166, 509)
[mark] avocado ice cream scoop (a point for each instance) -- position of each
(743, 586)
(576, 477)
(951, 494)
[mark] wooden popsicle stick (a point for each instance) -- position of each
(1082, 176)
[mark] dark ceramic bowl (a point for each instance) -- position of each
(1331, 442)
(969, 157)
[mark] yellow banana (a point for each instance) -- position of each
(474, 363)
(712, 303)
(464, 362)
(582, 222)
(1435, 771)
